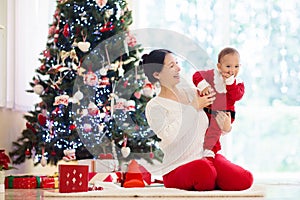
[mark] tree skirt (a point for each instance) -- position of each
(158, 191)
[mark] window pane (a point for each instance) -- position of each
(266, 132)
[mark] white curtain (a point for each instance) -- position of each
(23, 36)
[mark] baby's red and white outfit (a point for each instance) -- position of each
(227, 93)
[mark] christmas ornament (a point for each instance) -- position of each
(151, 154)
(47, 54)
(42, 119)
(92, 109)
(130, 105)
(51, 30)
(103, 71)
(69, 155)
(72, 127)
(78, 95)
(43, 161)
(101, 3)
(84, 46)
(137, 94)
(73, 56)
(66, 30)
(87, 128)
(90, 78)
(125, 150)
(120, 104)
(121, 71)
(107, 27)
(42, 67)
(61, 100)
(27, 153)
(33, 152)
(38, 89)
(131, 40)
(148, 90)
(104, 82)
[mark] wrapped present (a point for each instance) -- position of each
(101, 165)
(22, 182)
(114, 177)
(73, 178)
(49, 181)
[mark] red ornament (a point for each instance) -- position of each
(51, 30)
(29, 126)
(125, 83)
(53, 153)
(151, 155)
(107, 27)
(66, 30)
(131, 40)
(42, 67)
(90, 78)
(42, 119)
(47, 53)
(27, 152)
(72, 127)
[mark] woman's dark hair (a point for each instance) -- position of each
(153, 62)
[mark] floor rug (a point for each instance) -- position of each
(160, 191)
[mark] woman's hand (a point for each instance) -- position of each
(200, 102)
(224, 121)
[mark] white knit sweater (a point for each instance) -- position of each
(181, 129)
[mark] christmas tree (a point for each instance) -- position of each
(93, 91)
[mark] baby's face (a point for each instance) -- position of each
(229, 65)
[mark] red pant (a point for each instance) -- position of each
(213, 134)
(204, 175)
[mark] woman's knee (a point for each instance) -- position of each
(231, 176)
(205, 175)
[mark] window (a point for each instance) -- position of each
(20, 49)
(266, 132)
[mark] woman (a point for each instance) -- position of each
(176, 115)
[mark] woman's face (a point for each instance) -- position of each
(169, 75)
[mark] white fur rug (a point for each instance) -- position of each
(111, 190)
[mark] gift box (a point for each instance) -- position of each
(22, 182)
(73, 178)
(114, 177)
(49, 182)
(101, 165)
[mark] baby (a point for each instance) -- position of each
(228, 90)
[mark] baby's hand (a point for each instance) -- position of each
(206, 91)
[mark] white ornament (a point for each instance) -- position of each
(38, 89)
(121, 71)
(148, 90)
(130, 105)
(43, 161)
(103, 71)
(61, 100)
(90, 78)
(78, 95)
(84, 46)
(125, 151)
(93, 109)
(87, 128)
(120, 104)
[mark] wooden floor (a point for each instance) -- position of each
(273, 191)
